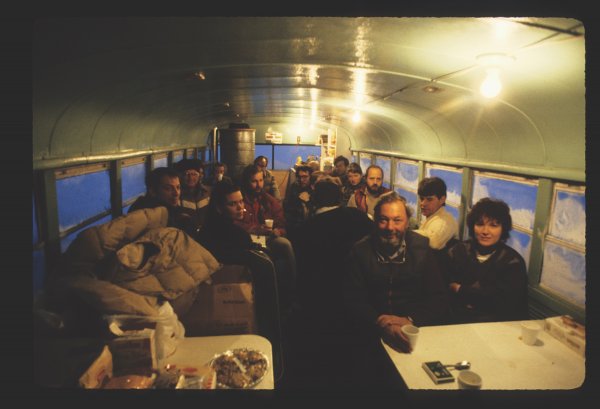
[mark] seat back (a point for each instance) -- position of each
(282, 180)
(443, 258)
(266, 302)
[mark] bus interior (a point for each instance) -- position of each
(495, 106)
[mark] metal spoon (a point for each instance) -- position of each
(460, 365)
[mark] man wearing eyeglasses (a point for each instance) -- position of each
(392, 280)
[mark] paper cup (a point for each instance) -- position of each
(412, 333)
(269, 223)
(530, 331)
(469, 380)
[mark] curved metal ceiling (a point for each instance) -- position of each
(108, 85)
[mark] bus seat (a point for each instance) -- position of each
(281, 178)
(443, 258)
(266, 301)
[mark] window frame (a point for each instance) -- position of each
(129, 162)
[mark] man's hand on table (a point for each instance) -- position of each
(390, 326)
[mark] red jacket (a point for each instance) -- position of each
(360, 195)
(261, 207)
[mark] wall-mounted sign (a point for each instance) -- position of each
(274, 137)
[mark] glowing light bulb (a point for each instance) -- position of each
(356, 116)
(491, 86)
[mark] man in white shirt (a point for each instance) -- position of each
(439, 225)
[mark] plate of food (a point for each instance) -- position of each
(240, 368)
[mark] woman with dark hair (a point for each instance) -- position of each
(488, 278)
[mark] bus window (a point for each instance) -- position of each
(133, 183)
(386, 165)
(520, 194)
(563, 270)
(406, 181)
(452, 177)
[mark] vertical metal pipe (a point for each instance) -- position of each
(116, 193)
(214, 145)
(49, 219)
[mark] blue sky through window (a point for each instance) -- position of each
(407, 175)
(520, 197)
(453, 180)
(81, 197)
(132, 181)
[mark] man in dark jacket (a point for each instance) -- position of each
(194, 194)
(340, 164)
(218, 174)
(220, 235)
(392, 280)
(297, 206)
(322, 242)
(163, 188)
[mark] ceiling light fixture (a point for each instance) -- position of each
(492, 63)
(491, 85)
(432, 89)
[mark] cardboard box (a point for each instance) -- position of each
(100, 375)
(223, 307)
(134, 352)
(572, 336)
(99, 371)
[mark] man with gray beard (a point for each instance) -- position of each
(392, 280)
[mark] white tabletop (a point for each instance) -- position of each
(496, 353)
(197, 351)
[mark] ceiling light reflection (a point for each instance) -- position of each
(492, 63)
(360, 85)
(491, 86)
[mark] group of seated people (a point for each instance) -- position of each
(347, 258)
(222, 215)
(366, 268)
